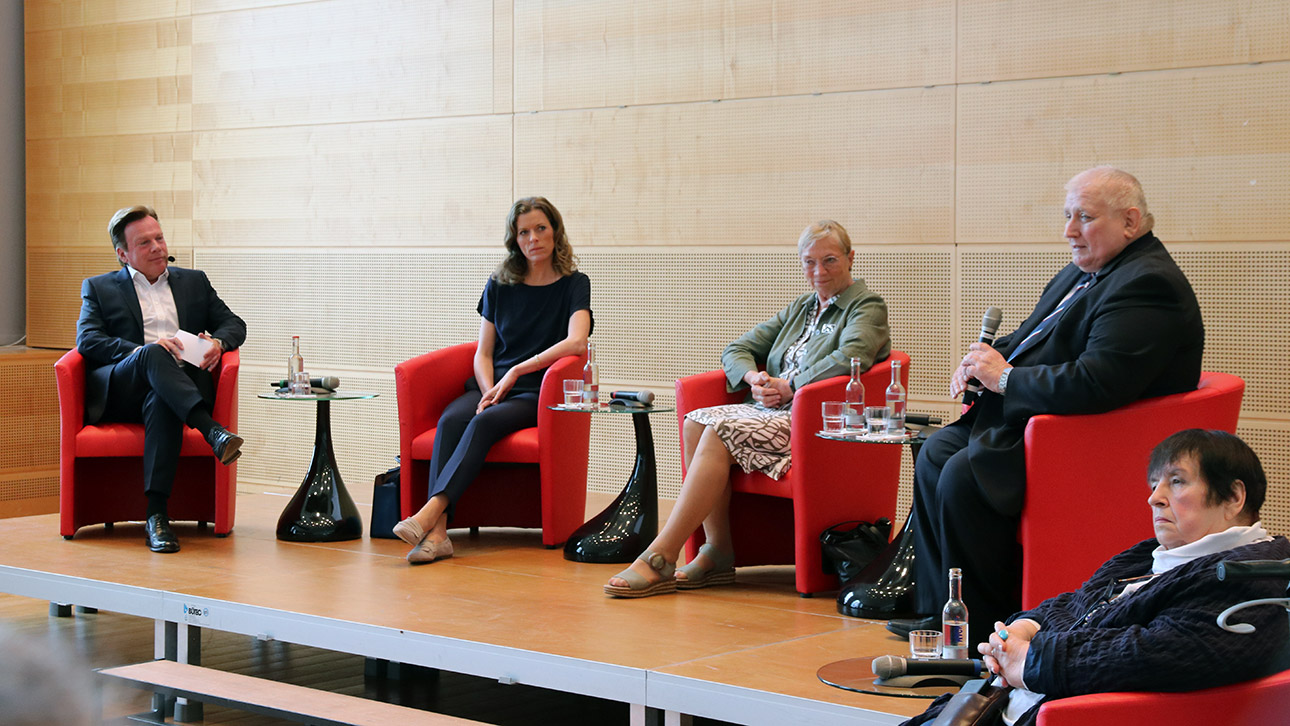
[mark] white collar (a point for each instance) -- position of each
(137, 276)
(1232, 537)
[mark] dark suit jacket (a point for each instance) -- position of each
(1136, 333)
(111, 326)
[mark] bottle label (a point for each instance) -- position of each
(956, 634)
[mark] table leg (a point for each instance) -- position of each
(885, 589)
(321, 509)
(630, 523)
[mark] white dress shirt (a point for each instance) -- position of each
(157, 303)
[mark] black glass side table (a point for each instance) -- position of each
(321, 510)
(626, 527)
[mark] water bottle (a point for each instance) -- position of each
(590, 378)
(954, 619)
(896, 401)
(855, 399)
(295, 363)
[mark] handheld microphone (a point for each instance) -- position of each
(887, 667)
(330, 383)
(989, 327)
(1251, 569)
(645, 397)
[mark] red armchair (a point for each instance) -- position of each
(100, 467)
(1086, 480)
(536, 477)
(779, 522)
(1262, 701)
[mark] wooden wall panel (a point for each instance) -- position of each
(747, 172)
(400, 183)
(29, 435)
(1211, 147)
(1012, 39)
(581, 53)
(342, 61)
(50, 14)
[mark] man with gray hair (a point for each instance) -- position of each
(1118, 324)
(127, 333)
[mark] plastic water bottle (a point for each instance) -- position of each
(954, 619)
(896, 401)
(855, 399)
(590, 378)
(295, 363)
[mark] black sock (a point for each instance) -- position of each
(157, 503)
(200, 419)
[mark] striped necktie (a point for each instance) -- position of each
(1075, 292)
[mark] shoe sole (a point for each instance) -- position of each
(725, 577)
(662, 587)
(232, 450)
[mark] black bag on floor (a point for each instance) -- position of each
(849, 547)
(385, 505)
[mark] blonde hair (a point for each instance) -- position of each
(821, 229)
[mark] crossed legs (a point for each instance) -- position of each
(704, 499)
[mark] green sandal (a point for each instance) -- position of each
(638, 586)
(722, 571)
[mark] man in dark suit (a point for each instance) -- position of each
(127, 334)
(1118, 324)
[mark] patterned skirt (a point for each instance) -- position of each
(756, 437)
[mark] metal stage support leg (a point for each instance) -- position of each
(190, 652)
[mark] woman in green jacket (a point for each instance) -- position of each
(815, 337)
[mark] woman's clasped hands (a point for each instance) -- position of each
(1005, 651)
(769, 392)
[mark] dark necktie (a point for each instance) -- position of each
(1051, 318)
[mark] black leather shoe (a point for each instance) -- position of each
(226, 444)
(904, 627)
(160, 538)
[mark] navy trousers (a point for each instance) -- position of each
(463, 438)
(957, 527)
(149, 386)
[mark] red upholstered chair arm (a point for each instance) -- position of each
(69, 374)
(552, 394)
(701, 391)
(426, 384)
(225, 409)
(1261, 701)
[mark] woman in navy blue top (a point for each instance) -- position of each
(536, 309)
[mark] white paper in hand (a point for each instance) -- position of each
(194, 348)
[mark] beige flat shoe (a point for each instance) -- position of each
(409, 531)
(638, 586)
(427, 551)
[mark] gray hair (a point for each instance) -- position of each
(821, 229)
(1120, 189)
(40, 685)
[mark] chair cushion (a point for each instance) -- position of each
(758, 483)
(122, 439)
(520, 447)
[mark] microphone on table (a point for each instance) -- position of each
(922, 419)
(645, 397)
(887, 667)
(989, 327)
(330, 383)
(1251, 569)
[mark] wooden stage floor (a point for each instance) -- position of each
(504, 607)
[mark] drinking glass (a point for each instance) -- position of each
(832, 412)
(875, 418)
(573, 392)
(925, 644)
(300, 384)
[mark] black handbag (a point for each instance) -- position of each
(385, 505)
(977, 704)
(849, 547)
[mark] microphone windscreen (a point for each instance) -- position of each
(888, 666)
(992, 318)
(331, 383)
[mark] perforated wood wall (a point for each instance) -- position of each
(342, 169)
(28, 432)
